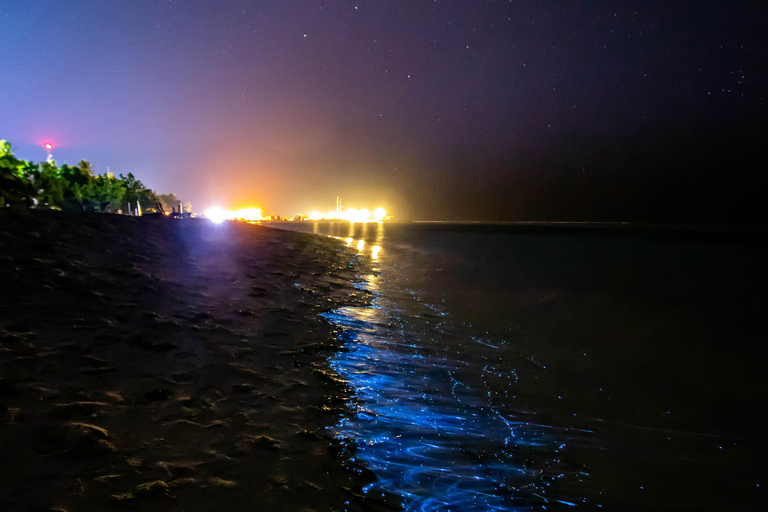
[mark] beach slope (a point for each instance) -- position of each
(160, 364)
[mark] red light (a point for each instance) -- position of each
(48, 146)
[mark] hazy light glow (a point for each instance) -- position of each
(251, 214)
(217, 214)
(351, 215)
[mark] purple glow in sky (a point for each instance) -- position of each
(439, 109)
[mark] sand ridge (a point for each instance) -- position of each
(161, 364)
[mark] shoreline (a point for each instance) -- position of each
(170, 365)
(641, 353)
(753, 234)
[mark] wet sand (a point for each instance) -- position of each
(155, 364)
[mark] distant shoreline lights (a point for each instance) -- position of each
(352, 215)
(219, 215)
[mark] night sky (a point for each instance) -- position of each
(436, 109)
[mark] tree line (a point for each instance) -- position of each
(73, 188)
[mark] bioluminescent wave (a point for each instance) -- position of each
(432, 437)
(538, 366)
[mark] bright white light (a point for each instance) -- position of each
(316, 215)
(375, 252)
(360, 245)
(248, 214)
(379, 214)
(216, 214)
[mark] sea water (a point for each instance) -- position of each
(508, 367)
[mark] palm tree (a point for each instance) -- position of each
(86, 168)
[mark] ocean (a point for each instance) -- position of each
(556, 367)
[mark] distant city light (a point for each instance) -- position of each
(251, 214)
(351, 215)
(219, 215)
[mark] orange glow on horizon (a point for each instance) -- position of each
(351, 215)
(252, 214)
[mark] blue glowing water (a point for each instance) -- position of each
(425, 421)
(504, 370)
(430, 436)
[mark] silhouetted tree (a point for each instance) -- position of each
(106, 191)
(15, 186)
(86, 168)
(49, 187)
(71, 187)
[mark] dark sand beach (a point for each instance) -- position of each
(154, 364)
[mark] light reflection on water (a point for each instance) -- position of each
(421, 422)
(635, 350)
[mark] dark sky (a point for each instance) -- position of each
(436, 109)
